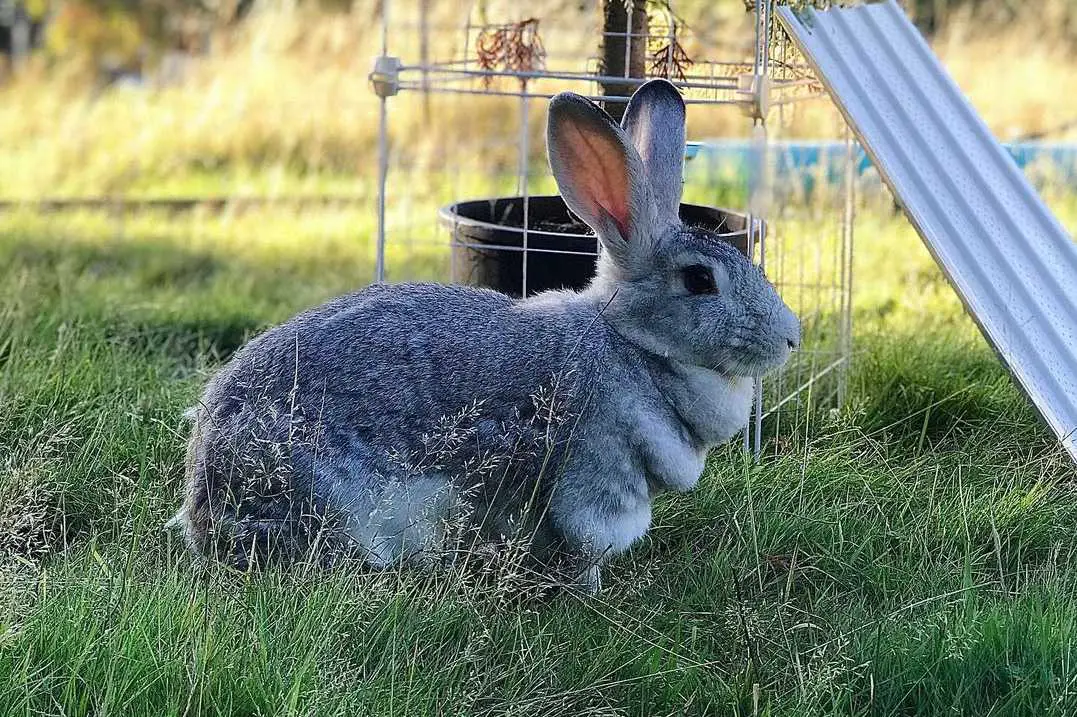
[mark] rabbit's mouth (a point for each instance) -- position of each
(757, 361)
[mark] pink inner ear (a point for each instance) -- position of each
(601, 174)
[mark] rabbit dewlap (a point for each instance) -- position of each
(373, 424)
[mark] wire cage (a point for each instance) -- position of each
(490, 70)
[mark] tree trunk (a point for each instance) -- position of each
(615, 14)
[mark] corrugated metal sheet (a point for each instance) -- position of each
(1007, 256)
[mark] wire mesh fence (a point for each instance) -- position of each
(493, 78)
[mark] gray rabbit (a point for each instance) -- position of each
(369, 424)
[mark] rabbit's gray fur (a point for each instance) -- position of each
(322, 432)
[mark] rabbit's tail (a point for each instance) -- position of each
(179, 520)
(241, 520)
(176, 520)
(193, 517)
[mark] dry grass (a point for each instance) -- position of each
(283, 105)
(1016, 75)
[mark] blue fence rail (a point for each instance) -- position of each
(806, 163)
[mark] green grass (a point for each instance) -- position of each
(913, 554)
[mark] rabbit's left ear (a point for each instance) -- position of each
(602, 180)
(654, 122)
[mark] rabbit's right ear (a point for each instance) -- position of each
(654, 122)
(601, 177)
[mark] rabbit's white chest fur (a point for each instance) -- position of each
(659, 451)
(716, 407)
(712, 408)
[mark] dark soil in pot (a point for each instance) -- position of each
(488, 242)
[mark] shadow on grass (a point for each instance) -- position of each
(185, 339)
(160, 298)
(152, 264)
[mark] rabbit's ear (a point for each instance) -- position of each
(654, 121)
(601, 177)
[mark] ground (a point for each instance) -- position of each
(913, 553)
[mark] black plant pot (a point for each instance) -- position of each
(488, 242)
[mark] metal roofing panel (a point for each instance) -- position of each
(1008, 258)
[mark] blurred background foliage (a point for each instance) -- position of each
(175, 96)
(101, 29)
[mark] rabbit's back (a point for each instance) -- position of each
(332, 406)
(386, 360)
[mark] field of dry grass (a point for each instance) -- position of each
(283, 104)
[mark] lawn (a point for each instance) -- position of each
(914, 554)
(909, 553)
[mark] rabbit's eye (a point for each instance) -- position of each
(698, 279)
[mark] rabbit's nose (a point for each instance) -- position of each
(788, 326)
